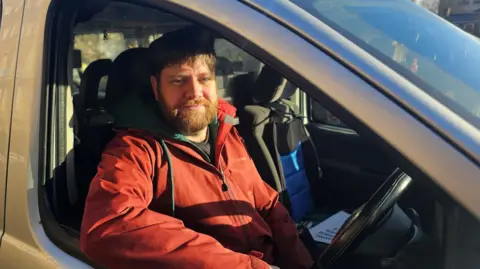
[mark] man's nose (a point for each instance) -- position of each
(195, 90)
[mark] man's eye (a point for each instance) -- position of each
(177, 81)
(205, 79)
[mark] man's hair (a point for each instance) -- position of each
(186, 45)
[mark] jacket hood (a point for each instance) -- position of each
(226, 108)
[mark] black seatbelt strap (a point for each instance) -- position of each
(284, 198)
(277, 155)
(317, 159)
(309, 138)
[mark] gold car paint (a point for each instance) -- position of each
(20, 246)
(10, 23)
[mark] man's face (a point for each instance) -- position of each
(187, 96)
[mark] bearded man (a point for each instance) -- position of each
(189, 195)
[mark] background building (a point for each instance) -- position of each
(463, 13)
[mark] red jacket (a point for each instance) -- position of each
(225, 215)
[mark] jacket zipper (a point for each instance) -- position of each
(231, 197)
(238, 217)
(225, 189)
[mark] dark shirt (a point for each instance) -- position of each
(205, 146)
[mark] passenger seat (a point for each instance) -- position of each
(129, 92)
(96, 128)
(90, 113)
(280, 144)
(70, 184)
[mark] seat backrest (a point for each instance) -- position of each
(279, 142)
(71, 181)
(92, 82)
(91, 115)
(128, 76)
(121, 81)
(129, 98)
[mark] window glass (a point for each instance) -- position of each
(321, 115)
(95, 46)
(434, 54)
(231, 62)
(115, 30)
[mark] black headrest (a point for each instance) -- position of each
(271, 86)
(76, 58)
(129, 97)
(90, 84)
(129, 73)
(224, 67)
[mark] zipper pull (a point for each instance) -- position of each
(224, 187)
(224, 183)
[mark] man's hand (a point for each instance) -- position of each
(274, 267)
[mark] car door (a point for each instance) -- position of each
(10, 19)
(377, 113)
(369, 95)
(341, 90)
(25, 45)
(416, 120)
(374, 120)
(352, 166)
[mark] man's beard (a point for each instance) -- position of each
(190, 122)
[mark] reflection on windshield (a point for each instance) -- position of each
(437, 52)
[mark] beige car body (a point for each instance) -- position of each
(24, 243)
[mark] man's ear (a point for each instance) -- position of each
(154, 82)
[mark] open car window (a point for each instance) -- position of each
(123, 26)
(115, 30)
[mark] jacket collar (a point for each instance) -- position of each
(226, 120)
(219, 128)
(144, 115)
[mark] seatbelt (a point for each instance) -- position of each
(278, 160)
(231, 120)
(236, 121)
(295, 115)
(283, 195)
(320, 171)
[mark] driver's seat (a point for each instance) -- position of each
(280, 144)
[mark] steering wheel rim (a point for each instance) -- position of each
(357, 226)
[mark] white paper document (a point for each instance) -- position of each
(326, 230)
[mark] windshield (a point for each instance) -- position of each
(436, 55)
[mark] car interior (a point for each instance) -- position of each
(315, 161)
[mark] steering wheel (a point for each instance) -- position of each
(363, 220)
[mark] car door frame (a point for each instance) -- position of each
(24, 242)
(11, 12)
(319, 71)
(362, 101)
(390, 80)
